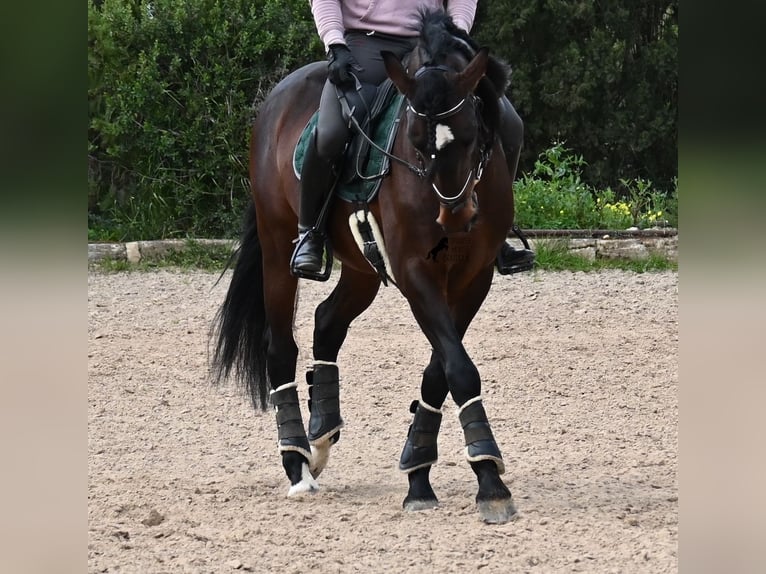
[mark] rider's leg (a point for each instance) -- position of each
(511, 130)
(318, 174)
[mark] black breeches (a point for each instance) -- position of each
(332, 130)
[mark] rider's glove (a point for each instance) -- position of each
(341, 62)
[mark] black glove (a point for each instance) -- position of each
(341, 62)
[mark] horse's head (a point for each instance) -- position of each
(444, 122)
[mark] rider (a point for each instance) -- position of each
(354, 33)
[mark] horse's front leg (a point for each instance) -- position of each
(420, 449)
(351, 296)
(445, 328)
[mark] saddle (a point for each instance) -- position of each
(376, 110)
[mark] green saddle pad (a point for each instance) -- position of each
(371, 163)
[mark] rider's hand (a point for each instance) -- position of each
(341, 62)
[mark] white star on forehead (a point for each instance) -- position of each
(443, 136)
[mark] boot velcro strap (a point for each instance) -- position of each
(288, 412)
(473, 413)
(324, 390)
(285, 396)
(478, 431)
(321, 392)
(291, 429)
(425, 427)
(324, 407)
(421, 438)
(289, 421)
(474, 421)
(324, 374)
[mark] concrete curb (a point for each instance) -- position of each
(595, 244)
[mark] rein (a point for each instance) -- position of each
(348, 111)
(424, 172)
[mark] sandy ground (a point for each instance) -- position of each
(580, 379)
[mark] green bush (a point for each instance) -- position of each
(174, 85)
(171, 95)
(553, 196)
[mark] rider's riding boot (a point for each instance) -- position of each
(510, 260)
(317, 179)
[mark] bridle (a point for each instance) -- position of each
(457, 201)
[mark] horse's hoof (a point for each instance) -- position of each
(306, 485)
(320, 454)
(420, 504)
(498, 511)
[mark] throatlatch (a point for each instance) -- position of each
(420, 448)
(290, 432)
(479, 442)
(324, 401)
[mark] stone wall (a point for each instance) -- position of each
(598, 244)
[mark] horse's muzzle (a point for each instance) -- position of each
(458, 218)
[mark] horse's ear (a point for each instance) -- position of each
(396, 72)
(469, 78)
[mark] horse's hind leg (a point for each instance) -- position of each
(282, 354)
(351, 296)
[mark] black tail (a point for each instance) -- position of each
(239, 327)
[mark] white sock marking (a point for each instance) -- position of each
(307, 483)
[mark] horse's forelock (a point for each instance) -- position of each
(441, 39)
(432, 93)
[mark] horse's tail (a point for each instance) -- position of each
(239, 327)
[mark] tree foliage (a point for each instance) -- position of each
(600, 76)
(174, 84)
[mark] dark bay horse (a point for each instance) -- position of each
(449, 189)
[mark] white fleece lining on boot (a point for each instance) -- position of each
(428, 407)
(285, 386)
(468, 402)
(498, 461)
(288, 447)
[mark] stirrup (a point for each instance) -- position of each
(323, 275)
(524, 258)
